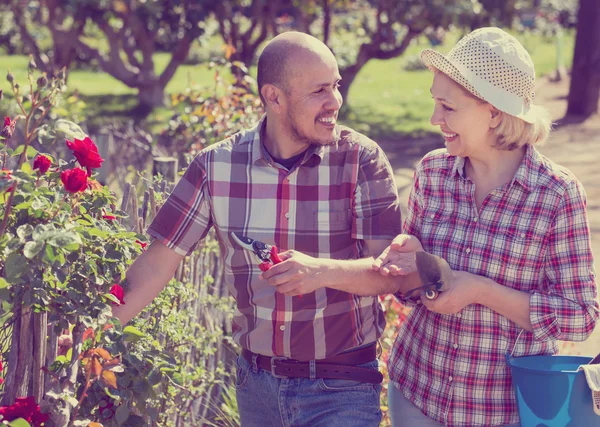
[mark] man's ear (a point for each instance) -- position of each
(496, 117)
(272, 96)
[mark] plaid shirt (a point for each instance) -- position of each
(531, 234)
(325, 206)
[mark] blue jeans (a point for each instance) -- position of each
(264, 400)
(403, 413)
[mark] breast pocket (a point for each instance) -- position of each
(437, 226)
(333, 220)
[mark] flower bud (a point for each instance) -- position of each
(42, 81)
(32, 65)
(10, 77)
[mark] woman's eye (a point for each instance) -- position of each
(447, 108)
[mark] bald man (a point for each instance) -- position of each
(325, 195)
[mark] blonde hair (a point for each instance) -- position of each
(513, 133)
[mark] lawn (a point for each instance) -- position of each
(385, 101)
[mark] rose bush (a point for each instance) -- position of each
(63, 250)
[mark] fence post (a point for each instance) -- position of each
(105, 143)
(166, 166)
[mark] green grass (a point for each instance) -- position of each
(385, 101)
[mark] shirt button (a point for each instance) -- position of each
(282, 328)
(455, 346)
(468, 250)
(522, 235)
(450, 379)
(459, 315)
(475, 219)
(287, 215)
(432, 216)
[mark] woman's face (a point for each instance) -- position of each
(464, 120)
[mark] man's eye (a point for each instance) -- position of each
(447, 108)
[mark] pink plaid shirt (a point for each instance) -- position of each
(337, 197)
(532, 234)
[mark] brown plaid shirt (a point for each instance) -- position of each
(325, 206)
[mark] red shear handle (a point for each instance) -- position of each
(275, 256)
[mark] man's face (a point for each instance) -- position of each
(312, 99)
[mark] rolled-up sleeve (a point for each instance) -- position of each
(185, 218)
(376, 210)
(568, 308)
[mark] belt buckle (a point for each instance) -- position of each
(274, 359)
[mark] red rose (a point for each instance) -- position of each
(9, 127)
(142, 244)
(109, 217)
(74, 180)
(1, 368)
(118, 291)
(42, 163)
(26, 408)
(86, 153)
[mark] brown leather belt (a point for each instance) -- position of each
(342, 366)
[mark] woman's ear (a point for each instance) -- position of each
(272, 96)
(495, 117)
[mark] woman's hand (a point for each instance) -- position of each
(464, 289)
(398, 259)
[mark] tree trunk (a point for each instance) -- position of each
(348, 76)
(149, 97)
(584, 92)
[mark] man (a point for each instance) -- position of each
(300, 182)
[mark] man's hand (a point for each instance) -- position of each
(398, 259)
(463, 290)
(297, 274)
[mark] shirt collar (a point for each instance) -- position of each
(260, 155)
(527, 174)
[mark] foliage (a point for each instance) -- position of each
(202, 118)
(63, 248)
(121, 37)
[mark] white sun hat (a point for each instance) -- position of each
(493, 66)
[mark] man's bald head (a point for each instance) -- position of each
(277, 62)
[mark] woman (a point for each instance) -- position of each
(512, 226)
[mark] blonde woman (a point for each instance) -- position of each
(513, 227)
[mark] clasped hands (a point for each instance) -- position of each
(398, 259)
(300, 274)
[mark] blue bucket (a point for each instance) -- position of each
(551, 392)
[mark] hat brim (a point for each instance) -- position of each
(436, 61)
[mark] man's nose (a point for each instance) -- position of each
(334, 100)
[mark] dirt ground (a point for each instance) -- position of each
(574, 144)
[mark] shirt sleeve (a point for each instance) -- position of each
(185, 218)
(376, 210)
(412, 225)
(568, 308)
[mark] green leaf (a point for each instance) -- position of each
(3, 283)
(50, 254)
(121, 414)
(15, 267)
(31, 152)
(133, 334)
(69, 129)
(24, 231)
(67, 240)
(31, 249)
(19, 422)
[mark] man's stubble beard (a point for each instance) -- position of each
(306, 140)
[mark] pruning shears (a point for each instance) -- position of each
(267, 254)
